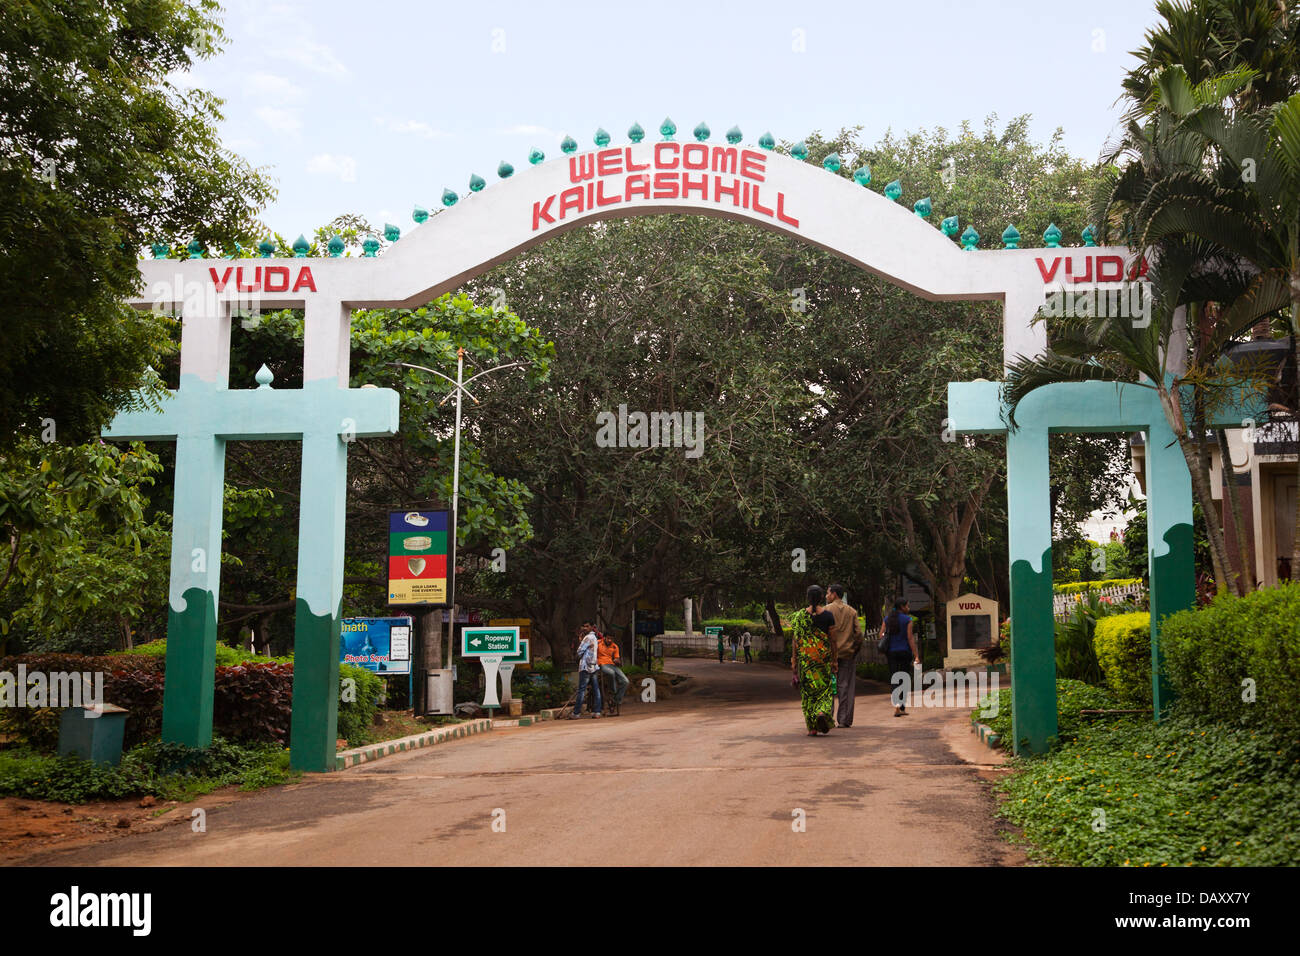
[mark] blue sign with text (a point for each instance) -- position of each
(379, 644)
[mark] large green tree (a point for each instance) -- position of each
(100, 155)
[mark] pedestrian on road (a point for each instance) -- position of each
(607, 657)
(745, 640)
(587, 671)
(735, 646)
(720, 647)
(846, 642)
(813, 662)
(900, 649)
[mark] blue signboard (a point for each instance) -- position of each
(379, 644)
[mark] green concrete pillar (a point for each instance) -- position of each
(321, 524)
(1033, 635)
(195, 585)
(1170, 546)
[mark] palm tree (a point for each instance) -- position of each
(1247, 208)
(1188, 271)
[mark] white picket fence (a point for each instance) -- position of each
(1063, 604)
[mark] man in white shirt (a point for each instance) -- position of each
(588, 670)
(746, 641)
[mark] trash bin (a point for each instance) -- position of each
(97, 739)
(439, 688)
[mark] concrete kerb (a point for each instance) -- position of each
(987, 736)
(359, 755)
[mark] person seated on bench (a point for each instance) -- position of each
(607, 656)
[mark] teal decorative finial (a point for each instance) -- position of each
(734, 135)
(635, 133)
(767, 141)
(391, 232)
(1011, 237)
(894, 190)
(601, 138)
(969, 238)
(233, 252)
(301, 247)
(1052, 236)
(568, 145)
(159, 250)
(335, 246)
(950, 227)
(449, 198)
(536, 156)
(832, 163)
(1089, 237)
(264, 377)
(476, 183)
(267, 248)
(505, 170)
(862, 175)
(701, 132)
(922, 207)
(668, 129)
(196, 249)
(800, 151)
(419, 214)
(370, 247)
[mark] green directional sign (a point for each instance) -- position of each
(478, 641)
(520, 658)
(713, 632)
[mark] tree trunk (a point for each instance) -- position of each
(1223, 577)
(1200, 488)
(774, 622)
(1245, 580)
(1295, 350)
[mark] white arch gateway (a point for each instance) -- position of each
(491, 225)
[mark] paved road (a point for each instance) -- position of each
(711, 776)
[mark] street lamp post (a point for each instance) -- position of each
(459, 382)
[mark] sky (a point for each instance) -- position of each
(375, 107)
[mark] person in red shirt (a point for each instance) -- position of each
(607, 656)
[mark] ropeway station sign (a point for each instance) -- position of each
(481, 641)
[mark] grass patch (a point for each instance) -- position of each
(1184, 792)
(164, 770)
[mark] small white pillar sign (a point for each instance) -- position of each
(491, 645)
(506, 670)
(491, 662)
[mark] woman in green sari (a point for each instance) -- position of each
(813, 663)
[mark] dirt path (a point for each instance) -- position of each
(712, 776)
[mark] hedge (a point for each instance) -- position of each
(1238, 660)
(251, 702)
(1123, 646)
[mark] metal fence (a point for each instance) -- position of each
(1063, 604)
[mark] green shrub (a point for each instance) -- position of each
(1072, 698)
(1211, 654)
(227, 656)
(873, 670)
(545, 686)
(1123, 646)
(1185, 791)
(166, 770)
(252, 700)
(357, 716)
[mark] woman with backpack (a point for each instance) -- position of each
(898, 642)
